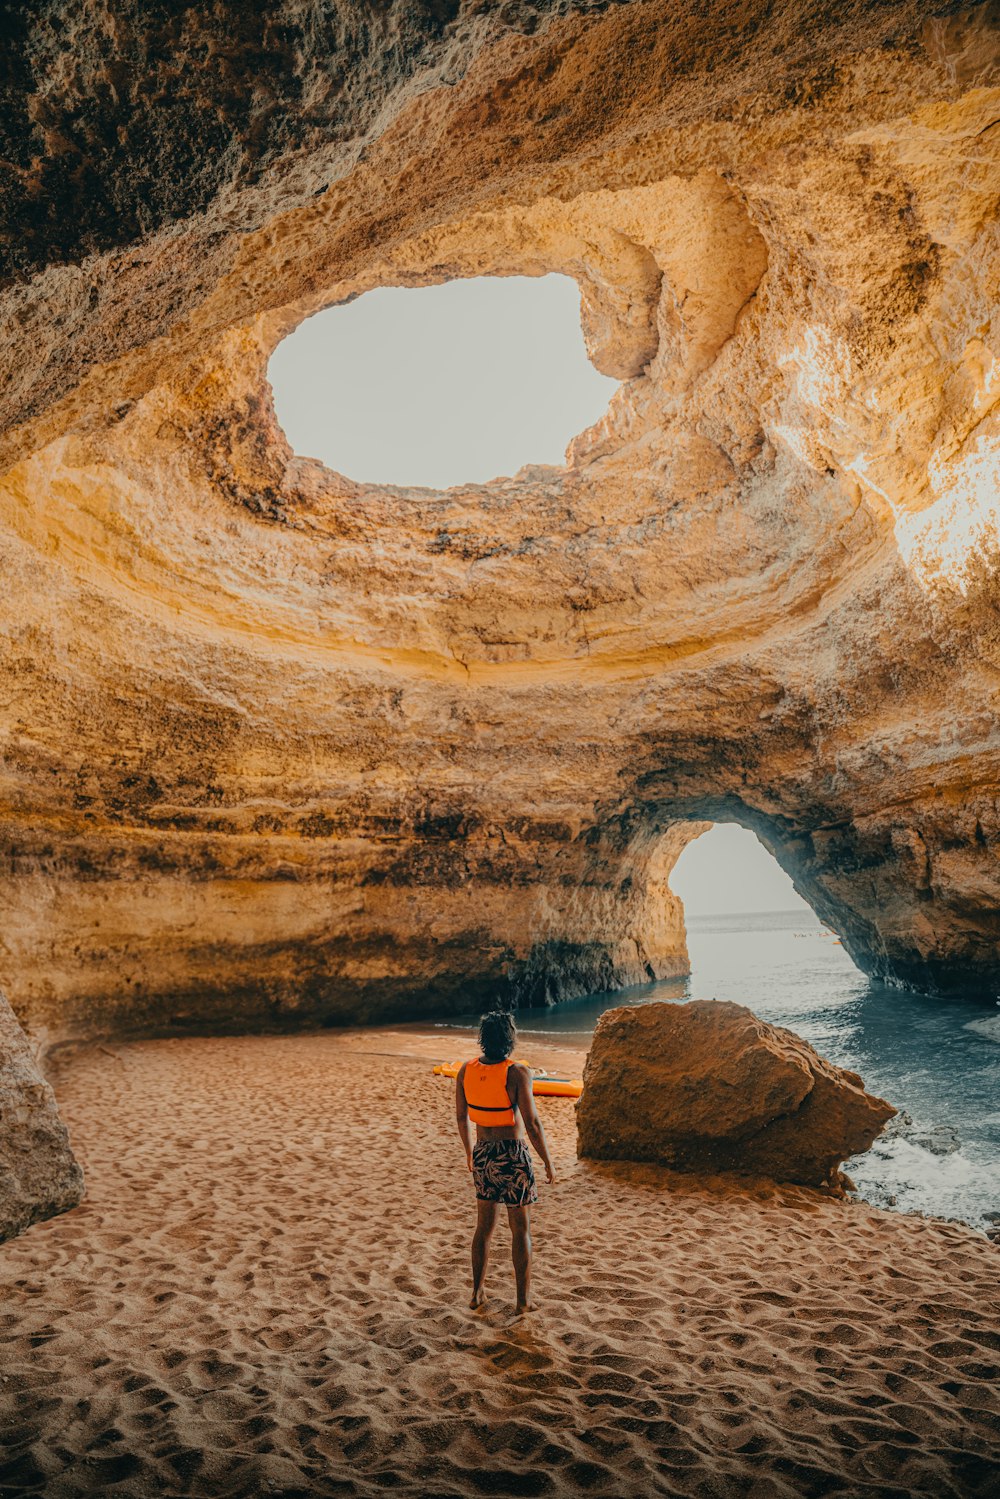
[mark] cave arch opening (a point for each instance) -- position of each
(727, 871)
(706, 911)
(438, 386)
(751, 936)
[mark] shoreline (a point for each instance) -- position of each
(266, 1291)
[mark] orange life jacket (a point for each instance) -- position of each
(486, 1092)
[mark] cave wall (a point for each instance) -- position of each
(282, 747)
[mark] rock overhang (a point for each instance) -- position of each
(287, 747)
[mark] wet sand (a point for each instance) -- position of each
(266, 1293)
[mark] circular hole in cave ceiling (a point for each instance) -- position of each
(440, 385)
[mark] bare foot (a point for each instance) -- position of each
(519, 1310)
(478, 1299)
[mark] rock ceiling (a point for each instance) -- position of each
(281, 747)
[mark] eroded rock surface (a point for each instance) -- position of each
(39, 1175)
(280, 746)
(708, 1086)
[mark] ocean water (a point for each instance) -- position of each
(939, 1060)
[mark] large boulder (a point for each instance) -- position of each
(39, 1175)
(708, 1086)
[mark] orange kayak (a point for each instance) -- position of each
(544, 1084)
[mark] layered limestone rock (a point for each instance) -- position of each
(39, 1175)
(282, 746)
(709, 1087)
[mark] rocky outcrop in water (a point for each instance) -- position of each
(710, 1087)
(39, 1176)
(283, 747)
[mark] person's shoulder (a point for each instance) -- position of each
(520, 1070)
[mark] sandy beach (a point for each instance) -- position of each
(266, 1291)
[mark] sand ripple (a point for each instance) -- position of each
(265, 1293)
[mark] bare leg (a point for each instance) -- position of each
(520, 1249)
(481, 1250)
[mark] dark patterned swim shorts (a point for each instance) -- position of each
(502, 1172)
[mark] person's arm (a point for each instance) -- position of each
(462, 1116)
(525, 1100)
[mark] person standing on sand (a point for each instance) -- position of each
(494, 1094)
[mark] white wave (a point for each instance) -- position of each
(950, 1186)
(989, 1028)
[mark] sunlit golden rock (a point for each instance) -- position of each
(282, 747)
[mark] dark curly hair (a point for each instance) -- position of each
(497, 1035)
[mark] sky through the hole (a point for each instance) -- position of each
(440, 385)
(728, 870)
